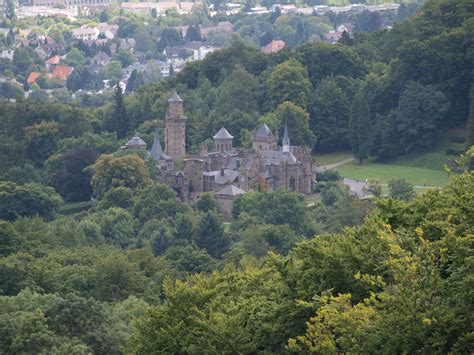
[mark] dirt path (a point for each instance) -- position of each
(333, 165)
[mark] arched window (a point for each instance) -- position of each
(292, 183)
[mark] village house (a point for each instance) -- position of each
(285, 9)
(33, 77)
(52, 48)
(345, 27)
(86, 33)
(333, 36)
(274, 46)
(52, 62)
(201, 52)
(101, 59)
(61, 72)
(7, 54)
(107, 31)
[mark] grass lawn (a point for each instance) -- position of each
(331, 158)
(385, 172)
(436, 158)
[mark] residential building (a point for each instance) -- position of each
(274, 46)
(86, 33)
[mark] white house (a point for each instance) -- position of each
(86, 33)
(201, 52)
(7, 53)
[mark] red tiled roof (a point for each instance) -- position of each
(33, 77)
(274, 46)
(53, 60)
(61, 72)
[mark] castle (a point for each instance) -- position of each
(227, 171)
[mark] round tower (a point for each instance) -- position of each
(222, 140)
(175, 128)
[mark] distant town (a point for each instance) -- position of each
(90, 46)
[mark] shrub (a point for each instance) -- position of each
(329, 175)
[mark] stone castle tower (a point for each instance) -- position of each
(175, 128)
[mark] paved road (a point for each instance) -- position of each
(334, 165)
(356, 186)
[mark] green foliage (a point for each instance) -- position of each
(210, 235)
(419, 111)
(330, 116)
(400, 188)
(289, 82)
(158, 201)
(359, 128)
(206, 203)
(27, 200)
(118, 120)
(111, 172)
(297, 121)
(277, 208)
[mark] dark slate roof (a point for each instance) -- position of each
(175, 98)
(229, 176)
(156, 151)
(136, 142)
(194, 45)
(277, 157)
(263, 131)
(230, 190)
(222, 134)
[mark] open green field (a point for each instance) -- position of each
(421, 169)
(437, 157)
(331, 158)
(386, 172)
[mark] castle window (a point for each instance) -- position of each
(292, 183)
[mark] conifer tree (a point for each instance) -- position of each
(118, 120)
(470, 123)
(359, 128)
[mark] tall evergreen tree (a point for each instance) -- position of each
(470, 123)
(193, 33)
(118, 120)
(210, 235)
(10, 9)
(359, 128)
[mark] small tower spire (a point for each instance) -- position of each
(286, 140)
(156, 150)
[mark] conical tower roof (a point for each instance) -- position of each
(223, 134)
(263, 131)
(156, 150)
(175, 98)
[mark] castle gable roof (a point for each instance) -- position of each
(223, 134)
(263, 131)
(230, 190)
(277, 157)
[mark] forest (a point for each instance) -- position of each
(96, 256)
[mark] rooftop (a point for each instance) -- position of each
(175, 98)
(263, 131)
(135, 142)
(223, 134)
(230, 190)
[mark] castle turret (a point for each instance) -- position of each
(222, 140)
(263, 139)
(175, 128)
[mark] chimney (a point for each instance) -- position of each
(222, 171)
